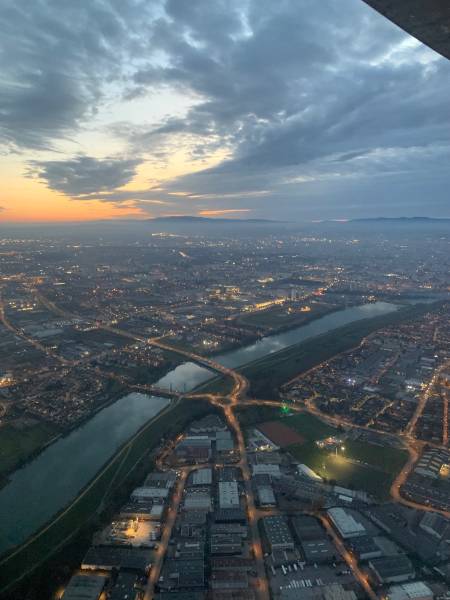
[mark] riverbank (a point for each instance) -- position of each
(41, 440)
(21, 445)
(268, 374)
(99, 493)
(190, 374)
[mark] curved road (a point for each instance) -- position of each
(228, 403)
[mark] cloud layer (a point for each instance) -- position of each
(320, 108)
(85, 175)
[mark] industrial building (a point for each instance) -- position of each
(365, 548)
(208, 424)
(149, 493)
(226, 544)
(234, 528)
(266, 469)
(107, 558)
(228, 494)
(124, 587)
(417, 590)
(318, 551)
(277, 533)
(182, 574)
(194, 448)
(345, 523)
(387, 570)
(265, 496)
(202, 477)
(166, 480)
(224, 445)
(307, 528)
(197, 500)
(230, 515)
(229, 580)
(305, 471)
(84, 587)
(435, 525)
(143, 510)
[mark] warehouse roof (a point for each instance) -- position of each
(84, 587)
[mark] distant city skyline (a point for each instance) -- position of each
(241, 109)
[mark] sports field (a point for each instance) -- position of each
(358, 465)
(280, 434)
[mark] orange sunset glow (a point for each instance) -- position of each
(117, 110)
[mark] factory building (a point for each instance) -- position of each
(345, 524)
(228, 494)
(277, 533)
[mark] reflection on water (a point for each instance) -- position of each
(189, 375)
(48, 483)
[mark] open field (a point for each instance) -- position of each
(343, 471)
(361, 465)
(280, 434)
(17, 444)
(309, 427)
(109, 486)
(254, 415)
(218, 385)
(267, 375)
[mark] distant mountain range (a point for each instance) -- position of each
(193, 219)
(401, 220)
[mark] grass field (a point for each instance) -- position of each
(218, 385)
(360, 466)
(18, 444)
(344, 471)
(98, 494)
(309, 427)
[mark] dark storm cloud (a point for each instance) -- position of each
(299, 89)
(85, 175)
(308, 82)
(56, 55)
(312, 100)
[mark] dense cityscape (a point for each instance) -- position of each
(270, 409)
(224, 300)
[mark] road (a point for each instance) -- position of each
(425, 396)
(16, 331)
(228, 403)
(160, 553)
(349, 559)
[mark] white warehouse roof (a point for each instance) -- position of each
(345, 523)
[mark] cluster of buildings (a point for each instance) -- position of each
(429, 482)
(209, 552)
(206, 439)
(118, 563)
(305, 554)
(380, 384)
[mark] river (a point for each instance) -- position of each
(50, 481)
(189, 375)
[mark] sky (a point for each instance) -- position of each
(288, 109)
